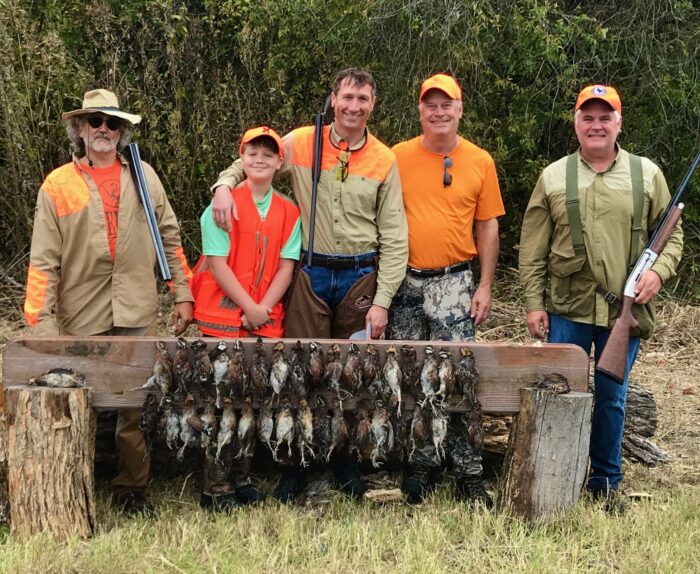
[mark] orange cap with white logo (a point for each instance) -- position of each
(262, 131)
(600, 92)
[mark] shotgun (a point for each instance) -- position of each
(136, 167)
(613, 359)
(319, 120)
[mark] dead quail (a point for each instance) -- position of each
(466, 375)
(446, 374)
(162, 377)
(420, 431)
(474, 428)
(210, 426)
(362, 434)
(429, 377)
(246, 430)
(181, 366)
(61, 378)
(260, 371)
(316, 364)
(171, 423)
(352, 371)
(279, 372)
(238, 370)
(382, 435)
(323, 431)
(227, 427)
(304, 431)
(220, 363)
(148, 425)
(201, 369)
(284, 428)
(190, 426)
(409, 367)
(392, 377)
(333, 370)
(266, 426)
(339, 430)
(438, 428)
(554, 383)
(298, 372)
(370, 366)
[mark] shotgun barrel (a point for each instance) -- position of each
(316, 174)
(139, 177)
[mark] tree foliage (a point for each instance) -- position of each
(200, 72)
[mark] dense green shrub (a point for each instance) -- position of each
(200, 72)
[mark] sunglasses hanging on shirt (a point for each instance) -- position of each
(446, 175)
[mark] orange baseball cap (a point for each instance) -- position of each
(599, 92)
(444, 83)
(262, 131)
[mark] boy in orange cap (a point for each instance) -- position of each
(240, 280)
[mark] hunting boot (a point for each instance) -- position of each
(471, 489)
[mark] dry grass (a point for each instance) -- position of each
(657, 534)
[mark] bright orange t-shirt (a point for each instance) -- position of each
(441, 219)
(107, 180)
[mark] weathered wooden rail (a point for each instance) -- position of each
(551, 442)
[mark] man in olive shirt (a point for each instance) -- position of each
(564, 286)
(361, 237)
(360, 246)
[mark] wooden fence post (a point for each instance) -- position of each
(548, 453)
(51, 452)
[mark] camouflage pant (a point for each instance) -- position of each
(438, 308)
(433, 308)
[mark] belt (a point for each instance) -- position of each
(463, 266)
(347, 262)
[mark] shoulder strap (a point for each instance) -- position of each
(637, 177)
(572, 204)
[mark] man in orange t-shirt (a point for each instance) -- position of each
(450, 193)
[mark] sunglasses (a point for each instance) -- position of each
(344, 167)
(112, 123)
(447, 176)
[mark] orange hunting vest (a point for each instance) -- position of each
(254, 257)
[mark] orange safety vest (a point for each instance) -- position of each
(254, 258)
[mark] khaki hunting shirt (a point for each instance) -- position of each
(362, 214)
(606, 205)
(73, 285)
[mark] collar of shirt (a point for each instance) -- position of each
(610, 167)
(339, 142)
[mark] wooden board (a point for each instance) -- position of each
(113, 365)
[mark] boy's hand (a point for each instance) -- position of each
(255, 317)
(223, 207)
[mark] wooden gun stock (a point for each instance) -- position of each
(613, 359)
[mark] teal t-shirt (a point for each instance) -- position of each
(216, 241)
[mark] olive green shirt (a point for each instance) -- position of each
(554, 278)
(361, 214)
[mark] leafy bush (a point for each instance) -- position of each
(201, 72)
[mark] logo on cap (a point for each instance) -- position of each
(599, 91)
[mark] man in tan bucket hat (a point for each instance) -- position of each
(92, 264)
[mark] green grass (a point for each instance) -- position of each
(660, 535)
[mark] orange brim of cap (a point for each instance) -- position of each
(444, 83)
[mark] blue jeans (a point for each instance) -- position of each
(331, 285)
(608, 418)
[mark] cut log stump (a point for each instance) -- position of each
(51, 451)
(548, 453)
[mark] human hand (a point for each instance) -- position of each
(481, 305)
(377, 318)
(223, 207)
(255, 316)
(183, 313)
(538, 324)
(647, 287)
